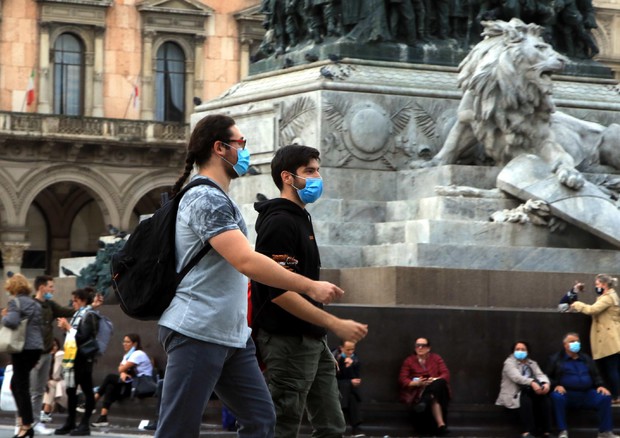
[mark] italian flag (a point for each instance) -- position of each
(30, 90)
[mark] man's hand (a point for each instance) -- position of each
(348, 362)
(325, 292)
(98, 301)
(560, 389)
(603, 390)
(544, 389)
(349, 330)
(356, 382)
(64, 324)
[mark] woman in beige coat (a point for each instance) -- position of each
(605, 330)
(525, 387)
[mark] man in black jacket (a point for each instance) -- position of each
(577, 384)
(292, 327)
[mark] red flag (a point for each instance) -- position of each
(136, 96)
(30, 90)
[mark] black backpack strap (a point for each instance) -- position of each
(205, 249)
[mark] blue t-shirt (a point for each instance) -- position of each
(211, 301)
(576, 375)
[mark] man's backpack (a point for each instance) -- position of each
(144, 276)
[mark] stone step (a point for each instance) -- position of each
(447, 207)
(517, 258)
(466, 232)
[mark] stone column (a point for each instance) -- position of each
(146, 98)
(198, 77)
(89, 74)
(244, 57)
(12, 255)
(44, 92)
(98, 73)
(60, 249)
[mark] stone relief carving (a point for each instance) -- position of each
(367, 130)
(294, 117)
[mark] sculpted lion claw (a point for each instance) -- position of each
(570, 177)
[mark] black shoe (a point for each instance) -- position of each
(151, 426)
(442, 430)
(81, 430)
(64, 430)
(102, 421)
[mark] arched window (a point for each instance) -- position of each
(170, 83)
(68, 75)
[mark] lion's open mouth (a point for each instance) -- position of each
(546, 75)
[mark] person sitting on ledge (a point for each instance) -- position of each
(577, 384)
(525, 388)
(424, 381)
(135, 364)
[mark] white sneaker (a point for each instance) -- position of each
(45, 418)
(563, 434)
(40, 429)
(608, 434)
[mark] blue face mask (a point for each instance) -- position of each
(243, 160)
(48, 295)
(575, 347)
(520, 355)
(312, 191)
(599, 290)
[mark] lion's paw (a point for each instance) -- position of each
(570, 177)
(423, 164)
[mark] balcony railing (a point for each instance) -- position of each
(105, 130)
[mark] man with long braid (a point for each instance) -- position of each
(204, 331)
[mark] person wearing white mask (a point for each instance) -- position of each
(577, 384)
(525, 388)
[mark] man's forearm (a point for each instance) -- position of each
(298, 306)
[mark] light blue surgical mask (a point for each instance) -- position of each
(48, 295)
(312, 191)
(575, 347)
(520, 355)
(243, 160)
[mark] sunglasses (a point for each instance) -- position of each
(421, 345)
(241, 142)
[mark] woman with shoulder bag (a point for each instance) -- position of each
(78, 365)
(135, 366)
(525, 387)
(20, 308)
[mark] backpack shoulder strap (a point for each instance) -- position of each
(207, 247)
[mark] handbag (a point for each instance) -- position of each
(7, 402)
(13, 340)
(145, 386)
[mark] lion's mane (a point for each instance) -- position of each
(507, 87)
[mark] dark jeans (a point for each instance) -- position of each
(583, 400)
(83, 368)
(113, 389)
(534, 406)
(422, 418)
(350, 402)
(609, 366)
(194, 370)
(20, 383)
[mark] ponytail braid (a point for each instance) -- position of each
(189, 166)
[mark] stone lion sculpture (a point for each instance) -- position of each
(507, 106)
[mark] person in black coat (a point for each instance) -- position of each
(349, 381)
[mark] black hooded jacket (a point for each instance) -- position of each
(285, 234)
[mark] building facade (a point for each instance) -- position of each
(95, 99)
